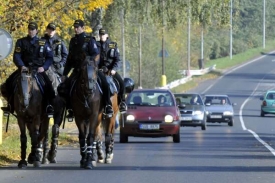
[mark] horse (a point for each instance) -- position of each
(30, 107)
(108, 124)
(86, 100)
(59, 105)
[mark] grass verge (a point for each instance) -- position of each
(10, 147)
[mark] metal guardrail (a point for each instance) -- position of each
(185, 79)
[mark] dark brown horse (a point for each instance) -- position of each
(86, 101)
(59, 110)
(30, 107)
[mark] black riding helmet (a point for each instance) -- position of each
(129, 85)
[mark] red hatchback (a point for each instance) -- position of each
(151, 113)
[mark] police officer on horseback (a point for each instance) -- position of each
(60, 52)
(110, 58)
(30, 52)
(81, 44)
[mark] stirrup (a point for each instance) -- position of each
(50, 111)
(70, 115)
(6, 110)
(110, 113)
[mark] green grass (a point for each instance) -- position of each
(10, 147)
(224, 63)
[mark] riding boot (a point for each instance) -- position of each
(50, 109)
(122, 104)
(108, 111)
(70, 114)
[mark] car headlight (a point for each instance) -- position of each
(168, 119)
(130, 118)
(197, 112)
(227, 113)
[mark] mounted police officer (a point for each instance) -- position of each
(30, 51)
(80, 43)
(60, 52)
(110, 58)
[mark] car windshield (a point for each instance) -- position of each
(150, 98)
(188, 99)
(215, 100)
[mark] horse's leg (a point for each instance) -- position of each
(58, 117)
(36, 144)
(99, 144)
(44, 136)
(109, 140)
(82, 139)
(23, 140)
(91, 142)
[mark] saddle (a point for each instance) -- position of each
(112, 82)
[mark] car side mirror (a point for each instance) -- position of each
(207, 104)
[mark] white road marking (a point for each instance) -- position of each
(243, 104)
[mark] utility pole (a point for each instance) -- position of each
(231, 39)
(163, 73)
(264, 24)
(123, 42)
(188, 46)
(140, 52)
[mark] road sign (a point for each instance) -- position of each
(6, 44)
(166, 54)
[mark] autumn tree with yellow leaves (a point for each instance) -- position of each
(16, 14)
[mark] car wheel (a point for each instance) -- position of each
(203, 127)
(231, 122)
(123, 138)
(262, 113)
(176, 137)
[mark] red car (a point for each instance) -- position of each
(151, 113)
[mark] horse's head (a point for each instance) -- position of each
(88, 75)
(25, 85)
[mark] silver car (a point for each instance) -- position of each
(192, 109)
(219, 109)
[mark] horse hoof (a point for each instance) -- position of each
(45, 161)
(100, 160)
(82, 164)
(22, 164)
(108, 161)
(94, 163)
(37, 164)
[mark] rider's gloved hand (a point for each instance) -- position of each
(40, 69)
(63, 78)
(113, 72)
(23, 68)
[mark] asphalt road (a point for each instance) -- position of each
(242, 153)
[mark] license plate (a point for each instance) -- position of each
(148, 127)
(186, 118)
(216, 116)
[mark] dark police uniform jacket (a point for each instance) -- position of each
(80, 46)
(109, 54)
(32, 52)
(60, 52)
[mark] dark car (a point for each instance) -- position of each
(219, 109)
(192, 109)
(151, 113)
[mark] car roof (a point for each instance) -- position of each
(157, 90)
(213, 95)
(270, 91)
(186, 94)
